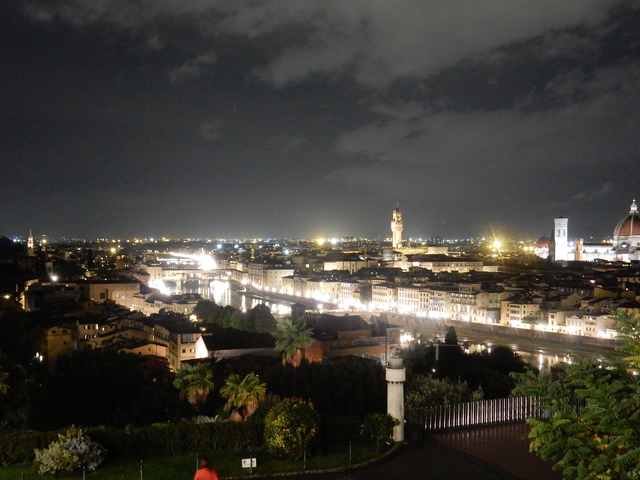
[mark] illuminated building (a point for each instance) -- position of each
(30, 244)
(110, 291)
(591, 325)
(517, 311)
(626, 236)
(58, 341)
(397, 226)
(560, 240)
(439, 263)
(164, 335)
(625, 246)
(348, 262)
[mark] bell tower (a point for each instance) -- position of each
(560, 239)
(397, 227)
(30, 244)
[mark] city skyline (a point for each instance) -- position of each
(393, 235)
(261, 118)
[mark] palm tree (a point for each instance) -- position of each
(194, 382)
(243, 394)
(292, 336)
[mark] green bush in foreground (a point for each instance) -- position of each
(18, 447)
(289, 427)
(72, 451)
(378, 427)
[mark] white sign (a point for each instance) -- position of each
(249, 463)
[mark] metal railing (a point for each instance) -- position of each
(481, 412)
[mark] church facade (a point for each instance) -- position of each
(625, 246)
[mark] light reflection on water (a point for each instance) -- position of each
(543, 358)
(221, 292)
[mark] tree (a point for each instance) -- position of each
(292, 336)
(243, 393)
(489, 369)
(628, 326)
(207, 311)
(194, 382)
(451, 337)
(102, 387)
(591, 427)
(260, 319)
(289, 427)
(378, 427)
(425, 392)
(591, 424)
(231, 318)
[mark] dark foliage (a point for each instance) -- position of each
(488, 371)
(141, 442)
(213, 316)
(346, 386)
(231, 338)
(106, 388)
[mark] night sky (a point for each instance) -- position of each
(314, 117)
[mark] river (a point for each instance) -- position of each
(543, 355)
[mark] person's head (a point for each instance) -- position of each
(204, 461)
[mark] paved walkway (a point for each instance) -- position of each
(489, 453)
(432, 461)
(505, 446)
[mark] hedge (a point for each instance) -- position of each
(142, 442)
(17, 447)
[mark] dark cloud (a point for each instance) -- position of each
(306, 117)
(375, 40)
(192, 68)
(211, 130)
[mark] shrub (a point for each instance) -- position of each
(177, 438)
(18, 447)
(72, 451)
(137, 442)
(378, 427)
(289, 427)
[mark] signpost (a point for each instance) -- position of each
(249, 463)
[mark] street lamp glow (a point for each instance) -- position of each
(496, 244)
(54, 278)
(321, 241)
